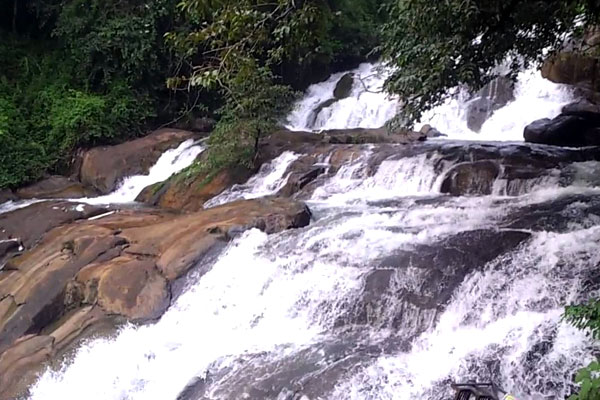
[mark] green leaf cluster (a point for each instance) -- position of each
(434, 46)
(587, 318)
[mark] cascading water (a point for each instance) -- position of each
(169, 163)
(391, 293)
(369, 107)
(269, 180)
(395, 290)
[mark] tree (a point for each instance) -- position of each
(434, 46)
(587, 318)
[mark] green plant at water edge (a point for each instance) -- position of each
(587, 318)
(435, 46)
(253, 107)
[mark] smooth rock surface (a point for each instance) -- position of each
(103, 167)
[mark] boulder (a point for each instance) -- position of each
(343, 88)
(30, 223)
(430, 131)
(582, 108)
(490, 98)
(436, 269)
(121, 266)
(565, 130)
(7, 195)
(573, 68)
(471, 178)
(55, 187)
(128, 286)
(103, 167)
(190, 194)
(312, 117)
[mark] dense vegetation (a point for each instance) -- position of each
(438, 45)
(78, 73)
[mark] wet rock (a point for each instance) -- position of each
(564, 130)
(86, 273)
(582, 108)
(8, 249)
(30, 223)
(557, 215)
(343, 88)
(55, 187)
(471, 178)
(573, 68)
(366, 135)
(103, 167)
(490, 98)
(7, 195)
(430, 131)
(389, 299)
(312, 118)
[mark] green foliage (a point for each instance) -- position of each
(253, 109)
(115, 40)
(45, 115)
(587, 318)
(437, 45)
(589, 380)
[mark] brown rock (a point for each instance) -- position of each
(103, 167)
(572, 68)
(7, 195)
(191, 194)
(28, 224)
(132, 288)
(15, 363)
(55, 187)
(89, 273)
(471, 178)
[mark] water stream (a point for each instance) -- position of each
(392, 292)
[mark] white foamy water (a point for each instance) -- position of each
(369, 107)
(268, 300)
(271, 177)
(535, 98)
(366, 107)
(169, 163)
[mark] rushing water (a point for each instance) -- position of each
(368, 106)
(169, 163)
(392, 292)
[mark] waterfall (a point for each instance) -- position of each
(368, 106)
(269, 180)
(376, 299)
(169, 163)
(395, 290)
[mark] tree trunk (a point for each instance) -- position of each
(14, 21)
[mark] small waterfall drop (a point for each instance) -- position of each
(270, 178)
(169, 163)
(369, 107)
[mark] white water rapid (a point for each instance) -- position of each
(395, 290)
(392, 292)
(369, 107)
(170, 162)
